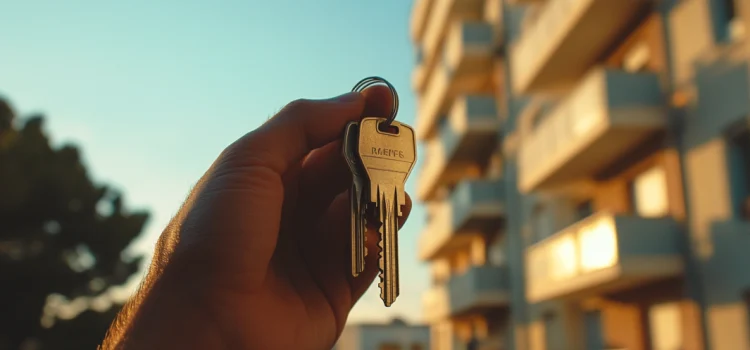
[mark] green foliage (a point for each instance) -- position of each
(59, 233)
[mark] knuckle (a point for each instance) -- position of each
(298, 106)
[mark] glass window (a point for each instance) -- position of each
(739, 158)
(496, 251)
(729, 9)
(584, 210)
(729, 27)
(650, 193)
(542, 224)
(550, 341)
(419, 55)
(593, 324)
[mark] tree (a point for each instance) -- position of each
(60, 234)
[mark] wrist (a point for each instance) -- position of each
(166, 313)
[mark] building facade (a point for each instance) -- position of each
(586, 172)
(396, 335)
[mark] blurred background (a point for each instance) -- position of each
(583, 178)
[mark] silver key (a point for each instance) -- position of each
(388, 159)
(358, 205)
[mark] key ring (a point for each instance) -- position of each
(370, 81)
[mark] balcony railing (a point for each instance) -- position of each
(726, 261)
(466, 139)
(723, 86)
(475, 208)
(606, 116)
(478, 289)
(566, 40)
(464, 67)
(442, 14)
(603, 252)
(437, 26)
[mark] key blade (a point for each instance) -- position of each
(357, 241)
(357, 227)
(388, 255)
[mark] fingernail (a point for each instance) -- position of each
(347, 97)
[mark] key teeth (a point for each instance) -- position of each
(381, 262)
(364, 229)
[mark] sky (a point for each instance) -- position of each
(153, 91)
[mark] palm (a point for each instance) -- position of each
(307, 291)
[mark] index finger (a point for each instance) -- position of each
(304, 125)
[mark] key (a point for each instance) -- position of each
(388, 159)
(356, 199)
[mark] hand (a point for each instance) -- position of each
(258, 255)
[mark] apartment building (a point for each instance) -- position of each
(396, 335)
(587, 172)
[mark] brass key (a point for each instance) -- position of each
(388, 158)
(357, 202)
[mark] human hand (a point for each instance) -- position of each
(258, 255)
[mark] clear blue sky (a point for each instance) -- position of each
(153, 91)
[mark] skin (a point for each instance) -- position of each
(258, 255)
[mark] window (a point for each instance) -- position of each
(419, 55)
(649, 192)
(593, 324)
(739, 163)
(729, 27)
(729, 9)
(496, 251)
(584, 210)
(642, 50)
(550, 341)
(542, 223)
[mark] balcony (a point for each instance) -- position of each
(437, 26)
(606, 116)
(420, 13)
(567, 38)
(478, 289)
(474, 208)
(466, 140)
(723, 86)
(465, 67)
(603, 253)
(442, 13)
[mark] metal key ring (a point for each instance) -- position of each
(370, 81)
